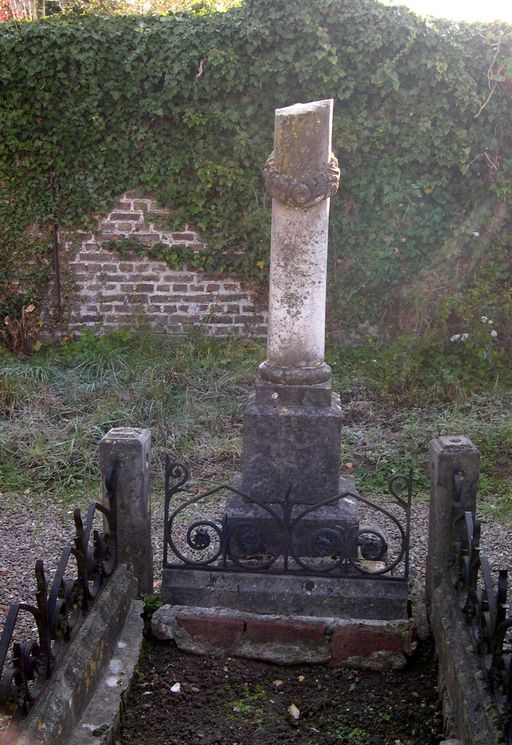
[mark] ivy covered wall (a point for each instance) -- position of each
(182, 107)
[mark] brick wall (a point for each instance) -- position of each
(113, 292)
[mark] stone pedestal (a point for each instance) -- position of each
(315, 533)
(291, 447)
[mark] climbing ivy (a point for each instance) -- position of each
(182, 107)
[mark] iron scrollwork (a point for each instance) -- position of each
(484, 605)
(285, 536)
(59, 608)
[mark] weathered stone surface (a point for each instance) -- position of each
(56, 715)
(447, 456)
(298, 264)
(474, 716)
(284, 639)
(357, 640)
(276, 394)
(254, 592)
(203, 632)
(295, 447)
(132, 448)
(268, 536)
(101, 720)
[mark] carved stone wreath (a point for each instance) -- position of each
(307, 193)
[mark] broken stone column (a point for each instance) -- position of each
(292, 425)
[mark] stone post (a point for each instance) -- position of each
(453, 460)
(292, 426)
(131, 449)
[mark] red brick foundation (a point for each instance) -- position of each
(218, 632)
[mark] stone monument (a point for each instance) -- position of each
(292, 424)
(289, 520)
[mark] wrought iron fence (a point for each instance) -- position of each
(83, 569)
(484, 605)
(286, 536)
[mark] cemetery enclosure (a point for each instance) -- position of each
(442, 491)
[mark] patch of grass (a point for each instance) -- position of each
(250, 704)
(191, 391)
(56, 406)
(348, 733)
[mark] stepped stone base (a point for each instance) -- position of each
(266, 593)
(319, 533)
(285, 640)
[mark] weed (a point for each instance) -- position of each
(249, 704)
(19, 334)
(354, 735)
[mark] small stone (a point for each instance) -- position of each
(301, 678)
(293, 713)
(176, 688)
(278, 683)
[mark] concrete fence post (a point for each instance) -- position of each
(453, 460)
(131, 449)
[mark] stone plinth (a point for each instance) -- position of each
(291, 447)
(290, 594)
(219, 632)
(311, 537)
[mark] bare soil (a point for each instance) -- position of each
(240, 702)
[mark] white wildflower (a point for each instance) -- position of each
(455, 337)
(494, 333)
(475, 233)
(490, 321)
(484, 319)
(464, 337)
